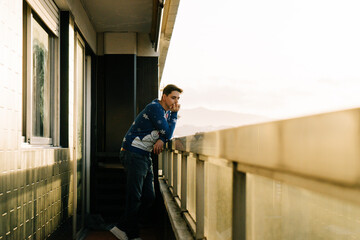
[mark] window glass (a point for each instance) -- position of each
(40, 81)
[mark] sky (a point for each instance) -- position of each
(278, 59)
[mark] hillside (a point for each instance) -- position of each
(196, 120)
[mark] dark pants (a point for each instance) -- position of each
(139, 188)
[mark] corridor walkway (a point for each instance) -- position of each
(146, 234)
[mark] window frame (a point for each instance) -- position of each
(29, 17)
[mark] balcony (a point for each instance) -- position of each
(61, 130)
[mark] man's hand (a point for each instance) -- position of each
(158, 146)
(175, 107)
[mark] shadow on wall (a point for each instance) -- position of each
(36, 200)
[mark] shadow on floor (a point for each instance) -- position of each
(156, 225)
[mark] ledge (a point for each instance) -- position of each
(178, 223)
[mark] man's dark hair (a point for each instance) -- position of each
(171, 87)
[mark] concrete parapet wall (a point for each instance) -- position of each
(323, 147)
(288, 179)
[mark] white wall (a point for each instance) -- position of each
(128, 43)
(10, 74)
(119, 43)
(144, 46)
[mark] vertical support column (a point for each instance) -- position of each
(175, 174)
(184, 181)
(169, 160)
(200, 198)
(135, 98)
(165, 159)
(165, 164)
(161, 164)
(239, 204)
(64, 79)
(88, 131)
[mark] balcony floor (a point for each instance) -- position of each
(156, 227)
(149, 233)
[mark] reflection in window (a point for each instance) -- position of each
(41, 81)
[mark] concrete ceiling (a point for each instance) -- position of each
(120, 15)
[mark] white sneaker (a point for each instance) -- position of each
(118, 233)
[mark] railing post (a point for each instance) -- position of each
(200, 198)
(162, 164)
(165, 165)
(239, 204)
(183, 181)
(169, 167)
(175, 174)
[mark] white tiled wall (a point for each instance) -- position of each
(10, 73)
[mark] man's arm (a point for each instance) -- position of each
(164, 126)
(158, 146)
(171, 121)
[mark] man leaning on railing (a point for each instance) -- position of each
(153, 127)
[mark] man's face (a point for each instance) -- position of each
(171, 99)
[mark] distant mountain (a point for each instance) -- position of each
(191, 121)
(186, 130)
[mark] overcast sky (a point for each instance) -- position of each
(278, 58)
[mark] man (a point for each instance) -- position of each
(152, 128)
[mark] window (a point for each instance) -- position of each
(40, 46)
(40, 82)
